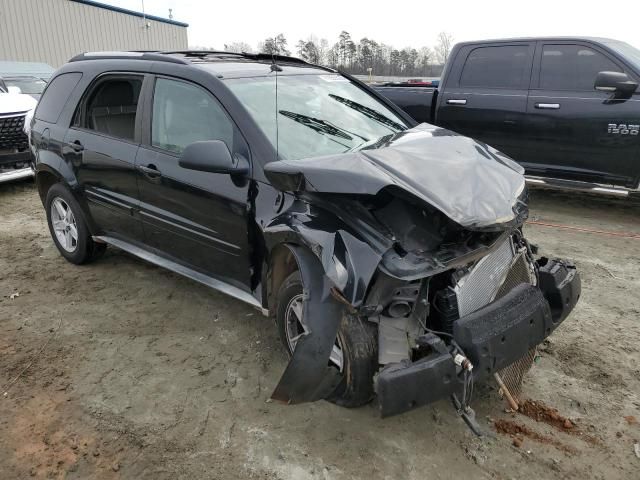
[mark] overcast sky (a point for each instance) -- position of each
(400, 24)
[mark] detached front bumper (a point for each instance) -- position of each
(492, 337)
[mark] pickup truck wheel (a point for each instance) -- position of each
(68, 228)
(354, 355)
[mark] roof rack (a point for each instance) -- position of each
(152, 56)
(186, 56)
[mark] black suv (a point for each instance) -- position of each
(391, 254)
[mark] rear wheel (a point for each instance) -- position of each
(68, 228)
(354, 355)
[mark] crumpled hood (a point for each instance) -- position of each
(473, 184)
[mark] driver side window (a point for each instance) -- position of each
(184, 113)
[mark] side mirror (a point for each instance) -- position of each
(212, 156)
(14, 89)
(615, 82)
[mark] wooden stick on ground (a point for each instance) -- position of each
(512, 402)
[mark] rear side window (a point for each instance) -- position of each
(496, 67)
(56, 95)
(572, 67)
(184, 113)
(111, 107)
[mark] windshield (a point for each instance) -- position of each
(314, 115)
(629, 53)
(29, 86)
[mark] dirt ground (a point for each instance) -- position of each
(120, 369)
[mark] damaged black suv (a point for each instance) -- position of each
(391, 254)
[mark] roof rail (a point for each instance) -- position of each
(201, 53)
(152, 56)
(253, 56)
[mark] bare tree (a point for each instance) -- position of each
(323, 50)
(424, 60)
(200, 47)
(238, 47)
(443, 47)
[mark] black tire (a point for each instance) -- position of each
(357, 338)
(86, 249)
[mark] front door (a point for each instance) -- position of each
(485, 95)
(196, 218)
(576, 132)
(102, 145)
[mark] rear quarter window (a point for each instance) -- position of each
(56, 96)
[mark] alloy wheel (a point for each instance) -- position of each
(296, 328)
(64, 225)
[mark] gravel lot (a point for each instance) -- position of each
(123, 370)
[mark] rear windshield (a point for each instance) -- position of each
(313, 115)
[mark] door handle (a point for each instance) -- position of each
(548, 106)
(456, 101)
(150, 170)
(76, 146)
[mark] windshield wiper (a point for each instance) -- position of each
(368, 112)
(320, 126)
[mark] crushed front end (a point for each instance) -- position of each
(422, 235)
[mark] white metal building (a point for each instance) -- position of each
(53, 31)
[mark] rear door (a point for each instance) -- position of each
(485, 94)
(574, 131)
(199, 219)
(102, 144)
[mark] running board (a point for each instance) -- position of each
(214, 283)
(561, 184)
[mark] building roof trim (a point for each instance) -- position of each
(130, 12)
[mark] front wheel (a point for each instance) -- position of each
(354, 355)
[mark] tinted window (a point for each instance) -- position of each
(183, 114)
(497, 67)
(572, 67)
(112, 105)
(56, 96)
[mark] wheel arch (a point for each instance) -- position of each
(51, 169)
(282, 263)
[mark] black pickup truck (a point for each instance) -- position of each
(567, 109)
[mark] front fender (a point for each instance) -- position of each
(308, 377)
(346, 258)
